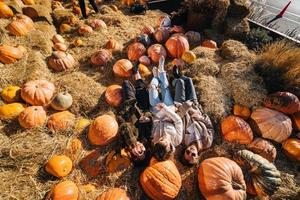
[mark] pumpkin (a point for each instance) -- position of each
(263, 148)
(20, 26)
(9, 54)
(38, 92)
(145, 60)
(59, 166)
(144, 39)
(164, 21)
(188, 57)
(291, 148)
(114, 194)
(177, 45)
(66, 190)
(123, 68)
(235, 129)
(117, 161)
(25, 20)
(88, 188)
(32, 116)
(177, 29)
(81, 125)
(149, 30)
(10, 111)
(113, 95)
(85, 29)
(113, 45)
(65, 28)
(5, 11)
(103, 130)
(60, 47)
(97, 24)
(58, 39)
(62, 101)
(271, 124)
(76, 10)
(155, 51)
(30, 12)
(161, 181)
(77, 42)
(28, 2)
(145, 72)
(101, 58)
(284, 102)
(135, 51)
(262, 177)
(193, 37)
(11, 94)
(61, 121)
(210, 44)
(220, 178)
(127, 2)
(161, 35)
(91, 164)
(61, 61)
(241, 111)
(296, 120)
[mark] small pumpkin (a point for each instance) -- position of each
(188, 57)
(149, 30)
(145, 72)
(81, 125)
(235, 129)
(28, 2)
(296, 120)
(117, 161)
(60, 47)
(155, 51)
(61, 61)
(11, 94)
(113, 45)
(9, 54)
(241, 111)
(61, 121)
(85, 29)
(92, 164)
(210, 44)
(271, 124)
(263, 148)
(88, 188)
(58, 39)
(291, 148)
(5, 11)
(161, 35)
(59, 166)
(10, 111)
(123, 68)
(101, 58)
(103, 130)
(193, 37)
(65, 28)
(62, 101)
(97, 24)
(220, 178)
(33, 116)
(144, 39)
(38, 92)
(20, 26)
(65, 190)
(135, 51)
(77, 43)
(145, 60)
(284, 102)
(113, 95)
(161, 181)
(177, 46)
(114, 194)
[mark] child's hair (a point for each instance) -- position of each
(162, 152)
(184, 161)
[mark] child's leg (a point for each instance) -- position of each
(82, 8)
(128, 91)
(142, 95)
(190, 92)
(164, 85)
(153, 93)
(179, 90)
(92, 2)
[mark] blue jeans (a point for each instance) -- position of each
(184, 89)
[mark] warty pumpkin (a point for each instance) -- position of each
(155, 51)
(116, 161)
(11, 94)
(38, 92)
(220, 178)
(123, 68)
(161, 35)
(103, 130)
(296, 120)
(58, 39)
(135, 51)
(193, 37)
(291, 148)
(66, 190)
(271, 124)
(61, 121)
(11, 111)
(62, 101)
(114, 45)
(101, 57)
(114, 194)
(188, 57)
(113, 95)
(10, 54)
(235, 129)
(209, 44)
(284, 102)
(241, 111)
(97, 24)
(264, 148)
(5, 11)
(149, 30)
(261, 176)
(61, 61)
(59, 166)
(92, 164)
(177, 45)
(32, 116)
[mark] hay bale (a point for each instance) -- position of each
(232, 50)
(203, 67)
(239, 9)
(207, 53)
(236, 28)
(221, 9)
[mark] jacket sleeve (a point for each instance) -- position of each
(175, 118)
(128, 133)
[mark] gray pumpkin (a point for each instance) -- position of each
(62, 101)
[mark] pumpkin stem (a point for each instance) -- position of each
(237, 186)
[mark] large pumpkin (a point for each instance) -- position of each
(103, 130)
(11, 94)
(284, 102)
(161, 35)
(91, 164)
(114, 194)
(20, 26)
(113, 95)
(61, 121)
(135, 51)
(235, 129)
(32, 116)
(220, 178)
(296, 120)
(5, 11)
(155, 51)
(123, 68)
(59, 166)
(271, 124)
(38, 92)
(9, 54)
(262, 177)
(61, 61)
(101, 58)
(161, 181)
(10, 111)
(263, 148)
(66, 190)
(177, 45)
(62, 101)
(292, 148)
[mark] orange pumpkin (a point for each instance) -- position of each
(65, 28)
(97, 24)
(113, 95)
(284, 102)
(103, 130)
(135, 51)
(145, 60)
(28, 2)
(263, 148)
(177, 45)
(11, 111)
(60, 47)
(123, 68)
(66, 190)
(113, 45)
(5, 11)
(296, 120)
(59, 166)
(291, 148)
(271, 124)
(161, 35)
(155, 51)
(210, 44)
(193, 37)
(38, 92)
(161, 181)
(241, 111)
(101, 58)
(85, 29)
(20, 26)
(149, 30)
(61, 121)
(9, 54)
(220, 178)
(11, 94)
(32, 116)
(91, 164)
(61, 61)
(58, 39)
(114, 194)
(235, 129)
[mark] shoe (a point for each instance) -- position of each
(135, 68)
(176, 72)
(155, 72)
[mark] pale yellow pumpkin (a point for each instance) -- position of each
(81, 125)
(11, 111)
(188, 57)
(11, 94)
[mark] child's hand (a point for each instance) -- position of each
(160, 106)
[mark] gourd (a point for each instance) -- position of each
(145, 60)
(164, 21)
(241, 111)
(113, 95)
(61, 121)
(210, 44)
(11, 111)
(5, 11)
(62, 101)
(177, 29)
(65, 28)
(33, 116)
(264, 148)
(114, 194)
(91, 164)
(291, 148)
(123, 68)
(66, 190)
(59, 166)
(85, 29)
(58, 39)
(101, 58)
(60, 47)
(161, 35)
(188, 57)
(145, 72)
(10, 54)
(28, 2)
(177, 45)
(135, 51)
(11, 94)
(144, 39)
(81, 125)
(155, 51)
(61, 61)
(284, 102)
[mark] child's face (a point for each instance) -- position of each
(191, 154)
(139, 151)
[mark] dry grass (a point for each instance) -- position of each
(233, 50)
(203, 66)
